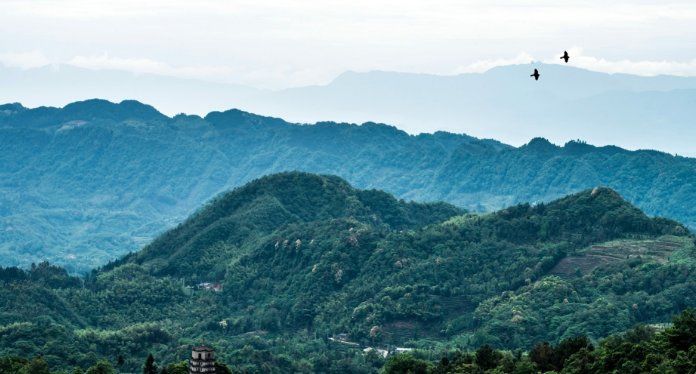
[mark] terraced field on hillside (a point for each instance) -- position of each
(660, 250)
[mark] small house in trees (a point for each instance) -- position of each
(207, 286)
(202, 360)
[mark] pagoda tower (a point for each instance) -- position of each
(202, 360)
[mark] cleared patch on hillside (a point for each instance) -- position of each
(404, 330)
(399, 331)
(455, 305)
(658, 250)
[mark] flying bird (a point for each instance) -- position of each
(536, 75)
(565, 56)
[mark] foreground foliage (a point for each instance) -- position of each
(640, 350)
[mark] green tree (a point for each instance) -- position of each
(222, 369)
(524, 366)
(543, 355)
(178, 368)
(150, 366)
(580, 362)
(101, 367)
(36, 366)
(568, 347)
(405, 364)
(11, 364)
(487, 357)
(682, 334)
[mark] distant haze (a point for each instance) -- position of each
(198, 56)
(504, 103)
(289, 43)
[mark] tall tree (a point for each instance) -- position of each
(487, 357)
(101, 367)
(36, 366)
(682, 334)
(542, 355)
(150, 367)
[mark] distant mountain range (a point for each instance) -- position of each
(89, 182)
(503, 103)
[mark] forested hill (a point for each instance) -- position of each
(86, 183)
(234, 222)
(301, 258)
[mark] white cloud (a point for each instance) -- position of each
(82, 9)
(578, 59)
(24, 60)
(298, 76)
(284, 43)
(254, 76)
(149, 66)
(645, 68)
(484, 65)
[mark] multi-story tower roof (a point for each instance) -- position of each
(202, 360)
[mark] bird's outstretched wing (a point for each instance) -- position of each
(565, 56)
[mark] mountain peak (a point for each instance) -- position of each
(104, 109)
(540, 144)
(272, 202)
(611, 193)
(15, 106)
(601, 197)
(599, 213)
(235, 118)
(578, 147)
(11, 108)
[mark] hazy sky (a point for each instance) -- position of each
(284, 43)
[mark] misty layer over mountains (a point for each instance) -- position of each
(565, 104)
(87, 183)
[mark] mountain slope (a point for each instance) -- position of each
(302, 258)
(84, 184)
(243, 216)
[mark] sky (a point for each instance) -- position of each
(284, 43)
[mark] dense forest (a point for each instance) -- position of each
(85, 184)
(642, 349)
(297, 272)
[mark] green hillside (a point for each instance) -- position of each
(302, 258)
(87, 183)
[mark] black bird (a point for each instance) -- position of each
(565, 56)
(535, 75)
